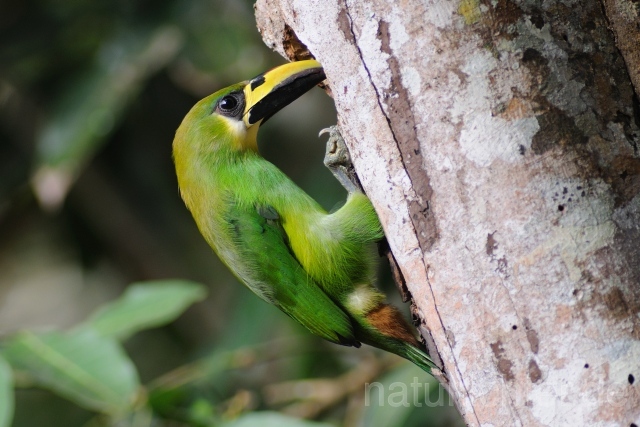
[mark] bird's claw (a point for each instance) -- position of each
(338, 160)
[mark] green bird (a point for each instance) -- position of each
(315, 266)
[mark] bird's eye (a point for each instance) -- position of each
(231, 105)
(228, 103)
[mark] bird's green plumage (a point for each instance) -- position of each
(317, 267)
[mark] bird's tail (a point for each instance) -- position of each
(385, 328)
(419, 357)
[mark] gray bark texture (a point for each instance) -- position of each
(498, 141)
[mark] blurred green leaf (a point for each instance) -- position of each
(272, 419)
(145, 305)
(6, 394)
(201, 412)
(90, 370)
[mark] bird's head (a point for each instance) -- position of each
(228, 120)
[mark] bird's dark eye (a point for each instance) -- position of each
(231, 105)
(228, 103)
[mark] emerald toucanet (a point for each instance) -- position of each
(315, 266)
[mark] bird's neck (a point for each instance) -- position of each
(204, 180)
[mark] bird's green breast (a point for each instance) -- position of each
(211, 189)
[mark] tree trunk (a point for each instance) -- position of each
(624, 18)
(499, 144)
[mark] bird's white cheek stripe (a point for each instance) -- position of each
(243, 138)
(236, 127)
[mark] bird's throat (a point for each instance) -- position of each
(251, 139)
(243, 138)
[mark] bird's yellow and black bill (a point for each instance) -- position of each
(269, 92)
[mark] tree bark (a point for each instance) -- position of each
(499, 144)
(624, 19)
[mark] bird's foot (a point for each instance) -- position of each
(338, 160)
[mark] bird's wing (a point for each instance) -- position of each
(272, 270)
